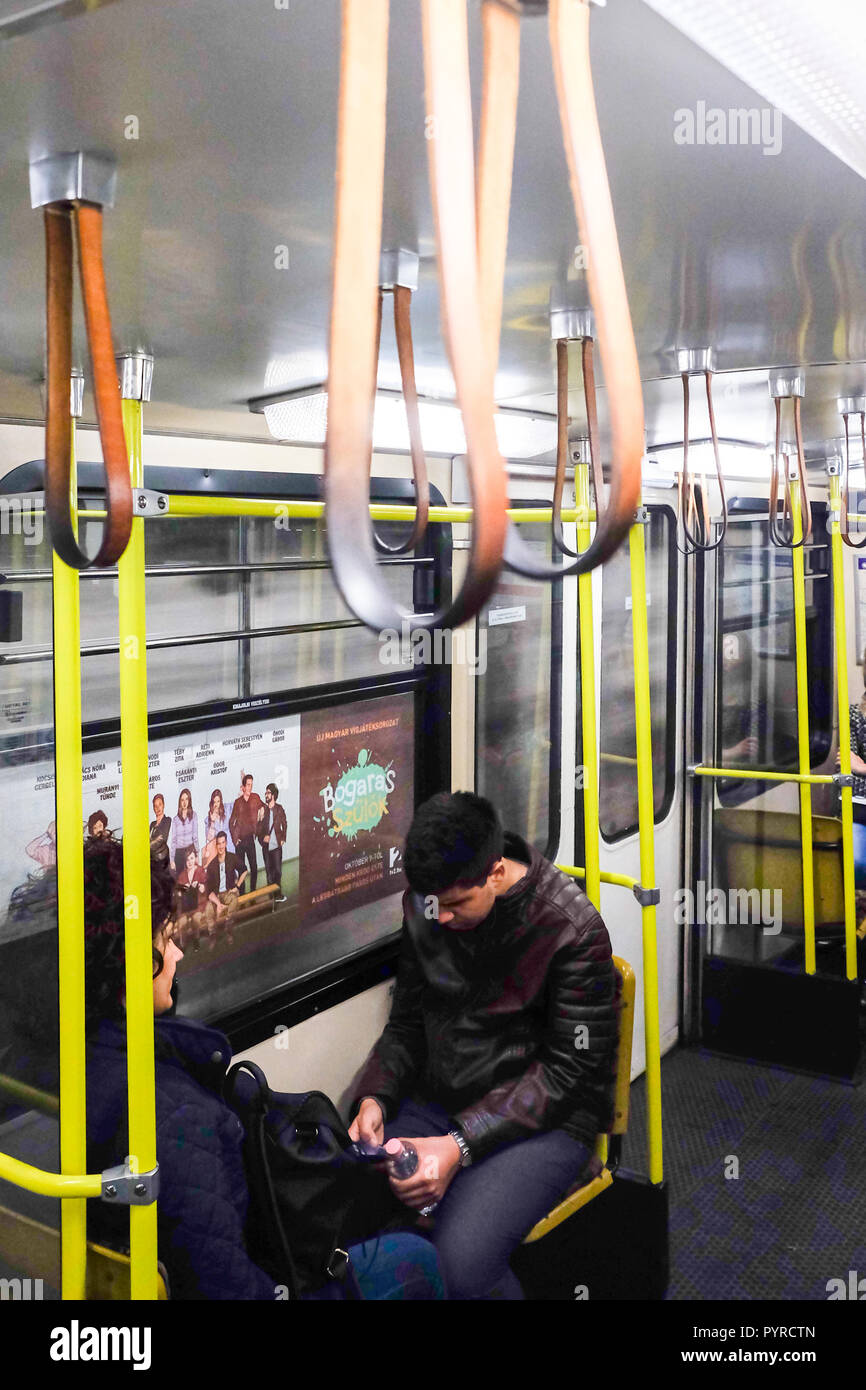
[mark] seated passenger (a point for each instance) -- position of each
(857, 715)
(224, 878)
(196, 913)
(203, 1195)
(498, 1060)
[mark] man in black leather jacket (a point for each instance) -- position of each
(498, 1058)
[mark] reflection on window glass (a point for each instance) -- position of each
(515, 634)
(757, 700)
(618, 800)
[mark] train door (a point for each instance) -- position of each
(746, 986)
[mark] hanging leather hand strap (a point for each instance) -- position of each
(687, 502)
(403, 331)
(843, 514)
(118, 489)
(782, 534)
(569, 39)
(360, 178)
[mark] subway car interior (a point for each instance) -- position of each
(475, 392)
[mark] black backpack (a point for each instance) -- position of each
(307, 1186)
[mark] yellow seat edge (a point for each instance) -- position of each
(570, 1205)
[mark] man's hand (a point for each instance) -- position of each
(438, 1161)
(368, 1125)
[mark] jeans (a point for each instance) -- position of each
(274, 864)
(246, 850)
(490, 1206)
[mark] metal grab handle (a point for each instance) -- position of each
(403, 332)
(686, 492)
(843, 513)
(569, 40)
(783, 536)
(351, 372)
(58, 456)
(562, 435)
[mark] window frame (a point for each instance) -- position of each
(666, 511)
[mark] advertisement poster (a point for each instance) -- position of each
(356, 803)
(204, 773)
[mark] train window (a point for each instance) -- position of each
(618, 794)
(336, 647)
(756, 724)
(518, 659)
(224, 701)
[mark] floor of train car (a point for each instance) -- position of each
(795, 1216)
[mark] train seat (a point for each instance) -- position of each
(609, 1142)
(32, 1251)
(762, 850)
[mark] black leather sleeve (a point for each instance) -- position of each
(568, 1080)
(398, 1058)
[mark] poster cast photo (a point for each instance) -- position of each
(214, 857)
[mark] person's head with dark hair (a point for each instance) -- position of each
(271, 793)
(216, 810)
(104, 932)
(184, 804)
(454, 852)
(97, 824)
(190, 861)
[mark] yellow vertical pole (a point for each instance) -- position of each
(69, 817)
(805, 761)
(136, 871)
(844, 727)
(646, 822)
(589, 733)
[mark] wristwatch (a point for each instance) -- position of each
(465, 1155)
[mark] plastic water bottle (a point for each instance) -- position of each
(402, 1159)
(402, 1163)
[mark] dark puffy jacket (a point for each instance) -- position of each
(511, 1027)
(203, 1196)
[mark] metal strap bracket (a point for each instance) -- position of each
(642, 516)
(126, 1188)
(647, 897)
(843, 779)
(147, 502)
(834, 468)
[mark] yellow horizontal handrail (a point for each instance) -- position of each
(191, 506)
(618, 880)
(49, 1184)
(42, 1101)
(813, 778)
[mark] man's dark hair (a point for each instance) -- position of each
(272, 788)
(93, 821)
(455, 838)
(247, 777)
(221, 835)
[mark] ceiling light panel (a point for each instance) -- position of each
(304, 420)
(804, 58)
